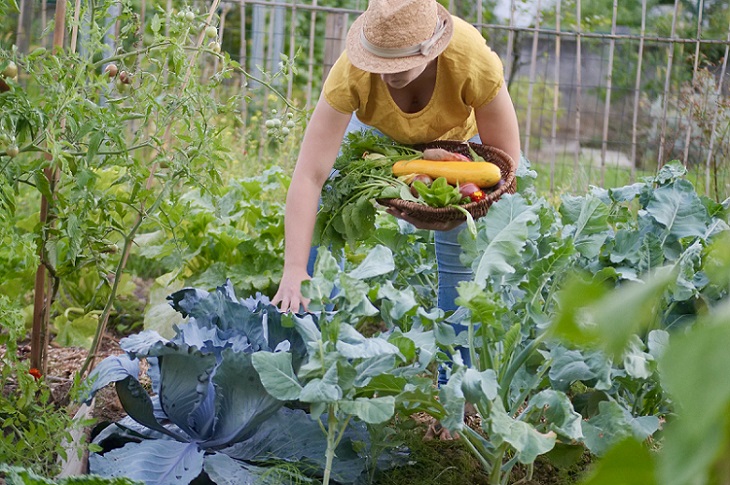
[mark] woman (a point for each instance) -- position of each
(414, 73)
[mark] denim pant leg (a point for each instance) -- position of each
(450, 273)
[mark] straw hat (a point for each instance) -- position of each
(397, 35)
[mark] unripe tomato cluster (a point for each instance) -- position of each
(276, 126)
(188, 15)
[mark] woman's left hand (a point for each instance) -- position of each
(431, 226)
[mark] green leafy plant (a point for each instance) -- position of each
(550, 367)
(238, 231)
(22, 476)
(348, 376)
(32, 425)
(347, 213)
(210, 414)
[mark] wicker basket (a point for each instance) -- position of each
(478, 209)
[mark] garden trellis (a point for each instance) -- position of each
(611, 96)
(593, 95)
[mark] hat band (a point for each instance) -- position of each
(422, 48)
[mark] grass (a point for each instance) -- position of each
(567, 179)
(451, 463)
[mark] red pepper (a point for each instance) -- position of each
(35, 373)
(477, 196)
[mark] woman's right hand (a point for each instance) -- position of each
(289, 296)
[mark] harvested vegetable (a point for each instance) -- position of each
(438, 194)
(347, 213)
(417, 177)
(364, 172)
(439, 154)
(472, 191)
(483, 174)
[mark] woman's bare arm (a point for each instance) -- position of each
(497, 123)
(320, 145)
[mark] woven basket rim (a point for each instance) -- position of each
(422, 212)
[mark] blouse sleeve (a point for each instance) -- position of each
(339, 89)
(485, 73)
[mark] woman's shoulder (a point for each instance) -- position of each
(469, 50)
(465, 34)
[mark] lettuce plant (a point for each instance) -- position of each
(209, 412)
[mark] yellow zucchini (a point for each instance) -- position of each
(484, 174)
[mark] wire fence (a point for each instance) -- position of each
(600, 101)
(600, 105)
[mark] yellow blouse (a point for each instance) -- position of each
(469, 75)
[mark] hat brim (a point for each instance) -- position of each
(367, 61)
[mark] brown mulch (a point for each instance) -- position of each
(63, 365)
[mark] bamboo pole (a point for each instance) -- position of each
(637, 92)
(578, 87)
(609, 85)
(142, 14)
(242, 61)
(556, 98)
(43, 293)
(718, 94)
(530, 86)
(510, 43)
(292, 52)
(667, 83)
(695, 67)
(75, 28)
(44, 19)
(221, 28)
(310, 70)
(25, 24)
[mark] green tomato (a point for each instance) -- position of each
(211, 31)
(189, 16)
(11, 70)
(12, 151)
(214, 46)
(122, 87)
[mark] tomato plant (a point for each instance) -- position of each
(105, 140)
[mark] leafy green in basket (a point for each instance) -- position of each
(363, 173)
(439, 193)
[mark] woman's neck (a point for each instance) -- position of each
(414, 96)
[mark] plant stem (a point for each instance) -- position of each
(514, 366)
(468, 434)
(331, 442)
(104, 319)
(495, 477)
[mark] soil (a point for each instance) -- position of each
(65, 362)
